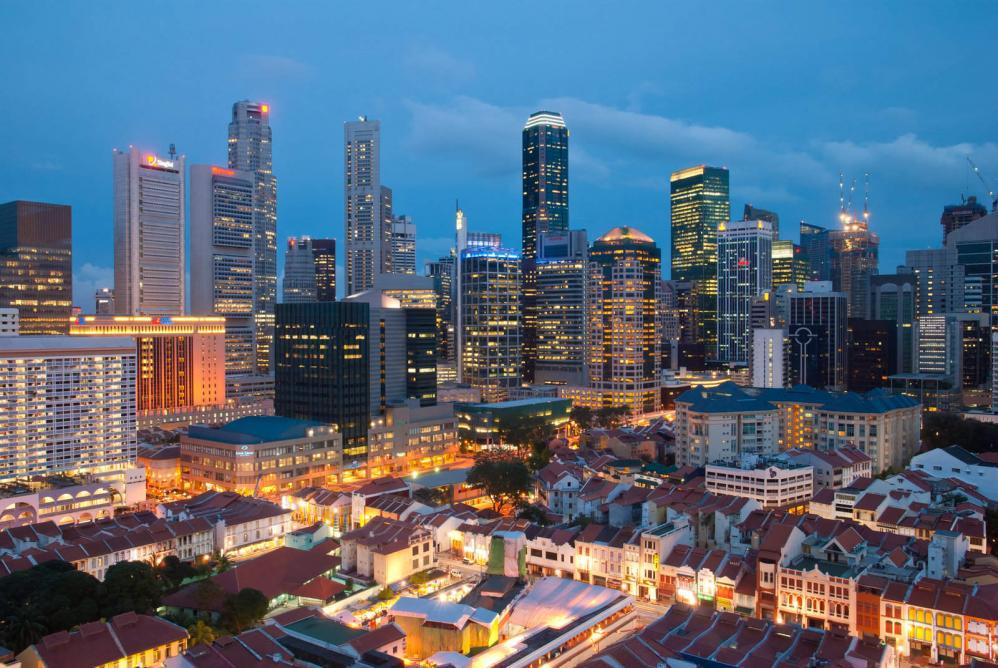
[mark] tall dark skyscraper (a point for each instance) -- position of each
(872, 354)
(36, 265)
(814, 243)
(322, 369)
(250, 150)
(324, 255)
(817, 327)
(545, 178)
(545, 209)
(755, 213)
(700, 202)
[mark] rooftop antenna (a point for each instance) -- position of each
(842, 195)
(173, 151)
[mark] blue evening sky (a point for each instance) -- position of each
(786, 94)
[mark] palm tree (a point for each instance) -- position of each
(222, 562)
(25, 630)
(201, 633)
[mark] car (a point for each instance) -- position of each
(455, 573)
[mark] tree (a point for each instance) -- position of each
(243, 609)
(221, 562)
(505, 480)
(540, 456)
(208, 594)
(431, 496)
(941, 430)
(611, 416)
(582, 416)
(172, 572)
(131, 585)
(202, 633)
(386, 594)
(534, 514)
(523, 434)
(24, 630)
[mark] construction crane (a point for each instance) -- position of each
(984, 182)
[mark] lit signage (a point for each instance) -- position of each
(223, 172)
(265, 108)
(153, 161)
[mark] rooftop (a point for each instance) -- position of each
(623, 234)
(256, 429)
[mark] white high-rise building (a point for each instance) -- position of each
(769, 357)
(222, 258)
(403, 245)
(367, 205)
(149, 231)
(744, 272)
(251, 150)
(68, 406)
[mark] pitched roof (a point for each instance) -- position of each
(98, 643)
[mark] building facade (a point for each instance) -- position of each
(744, 273)
(817, 329)
(69, 406)
(790, 264)
(624, 350)
(367, 223)
(36, 264)
(150, 193)
(251, 150)
(223, 259)
(299, 273)
(403, 246)
(491, 321)
(700, 202)
(180, 360)
(855, 260)
(562, 280)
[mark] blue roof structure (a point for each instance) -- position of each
(255, 429)
(730, 398)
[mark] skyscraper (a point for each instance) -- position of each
(403, 248)
(299, 272)
(36, 265)
(562, 267)
(545, 209)
(223, 278)
(817, 327)
(324, 255)
(700, 202)
(893, 298)
(872, 353)
(367, 225)
(545, 178)
(442, 273)
(855, 259)
(491, 321)
(955, 216)
(250, 150)
(790, 265)
(755, 213)
(814, 243)
(744, 272)
(624, 351)
(104, 301)
(149, 233)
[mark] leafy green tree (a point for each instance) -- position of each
(431, 496)
(505, 480)
(386, 594)
(221, 562)
(243, 609)
(131, 585)
(540, 456)
(523, 434)
(610, 417)
(25, 630)
(582, 416)
(172, 572)
(202, 633)
(534, 514)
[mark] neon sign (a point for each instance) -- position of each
(153, 161)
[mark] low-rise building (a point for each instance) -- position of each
(162, 466)
(260, 455)
(387, 551)
(834, 469)
(317, 504)
(241, 523)
(774, 482)
(978, 470)
(411, 438)
(485, 424)
(127, 639)
(60, 499)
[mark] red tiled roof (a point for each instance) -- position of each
(98, 643)
(321, 589)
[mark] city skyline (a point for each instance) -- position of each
(454, 117)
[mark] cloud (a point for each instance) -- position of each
(86, 280)
(614, 146)
(439, 65)
(270, 66)
(47, 166)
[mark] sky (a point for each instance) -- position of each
(786, 95)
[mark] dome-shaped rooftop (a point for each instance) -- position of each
(625, 233)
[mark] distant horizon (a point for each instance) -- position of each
(785, 97)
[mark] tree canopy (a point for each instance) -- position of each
(131, 585)
(505, 480)
(243, 609)
(941, 430)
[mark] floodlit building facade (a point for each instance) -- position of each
(744, 273)
(150, 193)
